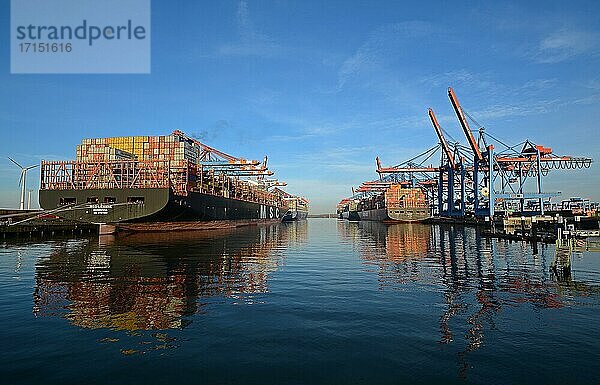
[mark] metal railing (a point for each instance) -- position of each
(61, 175)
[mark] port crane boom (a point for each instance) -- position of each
(443, 142)
(211, 154)
(464, 124)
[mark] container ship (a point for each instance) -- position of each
(159, 179)
(393, 203)
(297, 206)
(348, 209)
(341, 207)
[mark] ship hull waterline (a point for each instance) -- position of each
(294, 215)
(351, 215)
(153, 206)
(411, 215)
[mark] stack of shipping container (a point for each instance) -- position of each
(99, 160)
(174, 148)
(397, 197)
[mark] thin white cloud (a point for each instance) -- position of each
(566, 44)
(251, 42)
(484, 86)
(381, 43)
(593, 84)
(533, 107)
(491, 97)
(459, 77)
(289, 138)
(538, 85)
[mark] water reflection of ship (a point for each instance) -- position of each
(479, 276)
(156, 281)
(390, 246)
(406, 245)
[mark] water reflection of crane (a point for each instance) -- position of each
(155, 281)
(460, 279)
(479, 276)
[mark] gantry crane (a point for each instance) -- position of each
(449, 171)
(510, 168)
(413, 173)
(487, 180)
(213, 160)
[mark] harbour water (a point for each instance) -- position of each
(319, 301)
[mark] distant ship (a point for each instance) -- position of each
(396, 204)
(348, 209)
(297, 207)
(293, 215)
(341, 207)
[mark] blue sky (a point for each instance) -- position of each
(323, 87)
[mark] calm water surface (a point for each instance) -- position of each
(324, 301)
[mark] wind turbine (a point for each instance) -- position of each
(22, 181)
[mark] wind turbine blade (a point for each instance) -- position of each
(21, 179)
(14, 161)
(34, 166)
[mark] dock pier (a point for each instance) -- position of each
(47, 229)
(537, 228)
